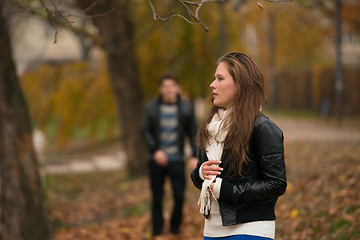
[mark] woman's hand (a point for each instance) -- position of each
(212, 185)
(209, 168)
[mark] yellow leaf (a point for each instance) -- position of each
(294, 213)
(124, 230)
(290, 186)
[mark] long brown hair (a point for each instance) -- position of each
(244, 112)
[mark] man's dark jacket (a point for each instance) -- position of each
(252, 196)
(186, 125)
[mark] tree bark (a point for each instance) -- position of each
(222, 29)
(272, 62)
(339, 67)
(22, 209)
(116, 31)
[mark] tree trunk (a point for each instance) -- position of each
(339, 68)
(272, 62)
(222, 29)
(116, 30)
(22, 209)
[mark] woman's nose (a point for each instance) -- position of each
(212, 85)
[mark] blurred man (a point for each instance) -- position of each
(166, 122)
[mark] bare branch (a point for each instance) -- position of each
(175, 15)
(90, 7)
(260, 5)
(153, 10)
(199, 6)
(195, 14)
(277, 1)
(102, 14)
(157, 16)
(166, 3)
(198, 9)
(81, 31)
(49, 14)
(185, 4)
(201, 2)
(56, 17)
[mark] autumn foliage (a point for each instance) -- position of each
(71, 101)
(74, 100)
(321, 201)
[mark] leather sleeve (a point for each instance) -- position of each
(147, 130)
(195, 177)
(271, 180)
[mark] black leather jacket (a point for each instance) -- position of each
(252, 197)
(186, 125)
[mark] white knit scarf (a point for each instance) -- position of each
(214, 149)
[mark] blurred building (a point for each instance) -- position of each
(33, 43)
(351, 49)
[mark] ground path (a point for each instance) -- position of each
(294, 130)
(315, 130)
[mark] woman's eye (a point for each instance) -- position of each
(220, 78)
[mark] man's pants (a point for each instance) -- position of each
(176, 171)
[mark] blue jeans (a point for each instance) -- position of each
(238, 237)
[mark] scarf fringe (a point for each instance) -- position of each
(214, 151)
(205, 199)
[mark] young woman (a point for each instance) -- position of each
(241, 168)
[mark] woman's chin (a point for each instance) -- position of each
(216, 104)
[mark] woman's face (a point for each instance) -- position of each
(223, 87)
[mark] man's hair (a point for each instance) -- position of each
(166, 77)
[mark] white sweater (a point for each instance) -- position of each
(213, 224)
